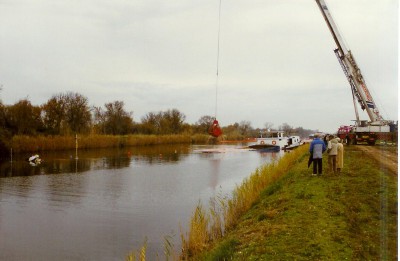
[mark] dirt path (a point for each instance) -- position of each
(386, 156)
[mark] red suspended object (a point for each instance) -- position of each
(215, 130)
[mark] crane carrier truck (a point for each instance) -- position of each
(363, 131)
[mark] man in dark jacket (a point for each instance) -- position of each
(317, 148)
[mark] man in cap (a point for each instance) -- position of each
(317, 148)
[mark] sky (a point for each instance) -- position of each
(276, 60)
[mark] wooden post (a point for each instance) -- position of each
(11, 162)
(76, 146)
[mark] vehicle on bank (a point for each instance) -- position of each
(363, 130)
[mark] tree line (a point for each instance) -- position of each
(70, 113)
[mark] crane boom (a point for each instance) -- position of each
(352, 71)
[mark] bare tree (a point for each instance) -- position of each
(268, 125)
(286, 128)
(151, 123)
(245, 128)
(54, 113)
(172, 122)
(24, 118)
(168, 122)
(117, 120)
(203, 124)
(78, 116)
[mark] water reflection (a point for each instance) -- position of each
(271, 156)
(107, 202)
(66, 161)
(65, 190)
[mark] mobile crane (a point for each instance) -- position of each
(362, 131)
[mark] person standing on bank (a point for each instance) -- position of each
(332, 152)
(317, 148)
(339, 157)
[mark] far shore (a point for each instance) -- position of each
(21, 144)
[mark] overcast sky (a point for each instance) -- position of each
(276, 57)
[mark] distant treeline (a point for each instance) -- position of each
(67, 114)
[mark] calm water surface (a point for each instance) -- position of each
(106, 203)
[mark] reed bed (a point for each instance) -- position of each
(21, 143)
(207, 226)
(201, 138)
(139, 255)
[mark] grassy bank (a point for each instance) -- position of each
(351, 216)
(51, 143)
(208, 226)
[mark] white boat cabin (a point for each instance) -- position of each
(277, 138)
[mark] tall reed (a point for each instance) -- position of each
(198, 234)
(139, 255)
(224, 213)
(21, 143)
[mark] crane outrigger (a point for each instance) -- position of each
(363, 131)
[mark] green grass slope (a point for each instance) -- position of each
(351, 216)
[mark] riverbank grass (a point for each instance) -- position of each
(351, 216)
(208, 226)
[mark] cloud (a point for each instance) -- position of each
(274, 56)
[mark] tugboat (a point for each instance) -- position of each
(274, 141)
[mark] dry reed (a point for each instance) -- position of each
(139, 255)
(208, 226)
(21, 143)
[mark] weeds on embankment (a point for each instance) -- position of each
(208, 226)
(351, 216)
(282, 212)
(139, 255)
(22, 143)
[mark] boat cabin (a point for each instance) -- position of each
(275, 139)
(271, 134)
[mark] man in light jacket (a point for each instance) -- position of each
(332, 153)
(339, 157)
(317, 148)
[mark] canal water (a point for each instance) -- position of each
(102, 204)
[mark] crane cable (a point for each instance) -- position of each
(216, 81)
(215, 130)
